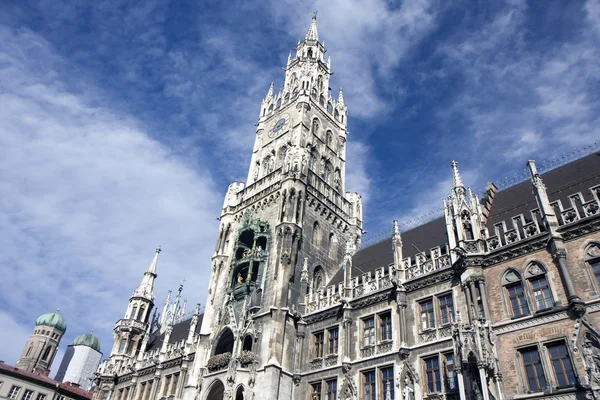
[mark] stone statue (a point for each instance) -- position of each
(407, 392)
(240, 278)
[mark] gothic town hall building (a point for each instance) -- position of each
(497, 299)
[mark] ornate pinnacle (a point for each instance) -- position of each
(456, 181)
(341, 97)
(312, 33)
(270, 92)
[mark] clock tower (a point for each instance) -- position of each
(282, 237)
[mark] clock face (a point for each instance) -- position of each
(278, 126)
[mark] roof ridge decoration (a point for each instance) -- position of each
(312, 34)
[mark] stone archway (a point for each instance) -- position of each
(217, 391)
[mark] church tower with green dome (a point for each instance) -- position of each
(41, 348)
(80, 361)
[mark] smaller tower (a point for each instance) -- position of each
(40, 350)
(80, 361)
(130, 330)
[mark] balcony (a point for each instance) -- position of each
(127, 324)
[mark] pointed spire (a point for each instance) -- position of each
(329, 63)
(456, 181)
(270, 92)
(289, 58)
(152, 267)
(312, 33)
(341, 97)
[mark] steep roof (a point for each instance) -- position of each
(576, 176)
(180, 331)
(422, 238)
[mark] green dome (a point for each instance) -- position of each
(54, 320)
(89, 340)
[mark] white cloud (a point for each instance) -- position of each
(87, 195)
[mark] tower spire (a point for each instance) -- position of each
(456, 180)
(312, 33)
(146, 288)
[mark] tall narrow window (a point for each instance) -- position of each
(450, 378)
(332, 390)
(433, 382)
(446, 309)
(14, 392)
(561, 363)
(516, 297)
(368, 331)
(316, 239)
(333, 340)
(28, 351)
(166, 385)
(315, 391)
(534, 373)
(174, 384)
(427, 314)
(46, 353)
(369, 385)
(133, 312)
(318, 345)
(140, 316)
(385, 325)
(387, 383)
(122, 345)
(536, 275)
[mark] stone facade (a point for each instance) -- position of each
(497, 299)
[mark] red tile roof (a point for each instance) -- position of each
(65, 388)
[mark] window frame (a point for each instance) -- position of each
(333, 338)
(524, 364)
(318, 345)
(436, 374)
(41, 396)
(14, 391)
(426, 315)
(316, 390)
(385, 326)
(332, 392)
(27, 394)
(370, 339)
(568, 356)
(372, 384)
(449, 309)
(387, 382)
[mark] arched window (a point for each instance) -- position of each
(336, 114)
(309, 53)
(315, 127)
(337, 179)
(225, 342)
(271, 108)
(46, 353)
(247, 343)
(278, 103)
(239, 395)
(320, 83)
(332, 245)
(133, 312)
(538, 282)
(216, 391)
(314, 94)
(316, 238)
(329, 139)
(513, 288)
(318, 279)
(329, 107)
(592, 255)
(322, 100)
(293, 82)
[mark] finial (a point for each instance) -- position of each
(341, 97)
(312, 33)
(456, 181)
(154, 263)
(57, 310)
(396, 230)
(92, 330)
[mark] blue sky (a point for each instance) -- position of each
(122, 124)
